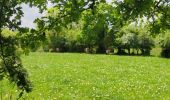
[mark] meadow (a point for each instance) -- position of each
(76, 76)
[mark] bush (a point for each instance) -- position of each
(130, 40)
(165, 44)
(134, 38)
(55, 41)
(145, 43)
(67, 40)
(11, 68)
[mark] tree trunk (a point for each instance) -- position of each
(129, 51)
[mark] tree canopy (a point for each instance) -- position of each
(156, 12)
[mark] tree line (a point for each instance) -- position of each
(106, 28)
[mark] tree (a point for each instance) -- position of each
(127, 38)
(68, 11)
(164, 42)
(155, 11)
(11, 13)
(97, 21)
(129, 41)
(145, 42)
(96, 26)
(10, 41)
(56, 40)
(66, 40)
(136, 38)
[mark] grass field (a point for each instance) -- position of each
(68, 76)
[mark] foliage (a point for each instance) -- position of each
(65, 12)
(109, 39)
(66, 40)
(156, 12)
(11, 66)
(55, 40)
(165, 44)
(74, 42)
(96, 31)
(132, 37)
(165, 40)
(98, 16)
(145, 43)
(130, 40)
(13, 43)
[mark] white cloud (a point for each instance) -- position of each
(30, 14)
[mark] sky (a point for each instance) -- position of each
(30, 14)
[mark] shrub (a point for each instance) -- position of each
(55, 40)
(134, 38)
(130, 40)
(165, 44)
(145, 43)
(126, 38)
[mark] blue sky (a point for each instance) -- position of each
(30, 14)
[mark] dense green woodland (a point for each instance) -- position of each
(93, 26)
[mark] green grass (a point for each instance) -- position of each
(68, 76)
